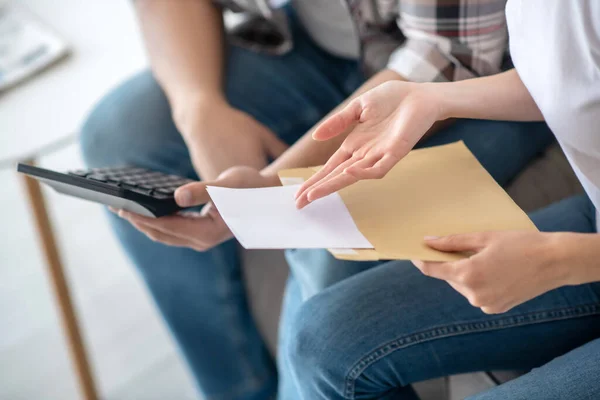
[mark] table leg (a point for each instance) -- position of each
(61, 288)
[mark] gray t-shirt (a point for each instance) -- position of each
(330, 25)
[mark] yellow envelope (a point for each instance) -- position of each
(435, 191)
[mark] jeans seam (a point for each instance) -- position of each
(462, 328)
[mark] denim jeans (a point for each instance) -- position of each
(202, 295)
(371, 335)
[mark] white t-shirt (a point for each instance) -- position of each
(555, 46)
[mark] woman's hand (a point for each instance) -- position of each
(206, 229)
(506, 268)
(386, 122)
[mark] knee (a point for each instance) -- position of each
(125, 122)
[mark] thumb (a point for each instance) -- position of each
(274, 146)
(456, 243)
(195, 193)
(339, 122)
(192, 194)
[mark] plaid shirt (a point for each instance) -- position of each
(422, 40)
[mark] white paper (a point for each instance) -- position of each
(26, 46)
(267, 218)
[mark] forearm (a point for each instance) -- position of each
(308, 152)
(576, 257)
(497, 97)
(184, 40)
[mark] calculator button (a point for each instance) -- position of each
(97, 177)
(79, 172)
(165, 190)
(128, 182)
(134, 178)
(132, 170)
(160, 196)
(146, 192)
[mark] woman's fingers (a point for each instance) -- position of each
(339, 122)
(461, 242)
(304, 199)
(331, 186)
(366, 162)
(339, 178)
(339, 157)
(435, 269)
(347, 173)
(376, 170)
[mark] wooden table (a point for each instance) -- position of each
(41, 116)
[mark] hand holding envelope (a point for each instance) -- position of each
(435, 191)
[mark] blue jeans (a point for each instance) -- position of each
(202, 295)
(371, 335)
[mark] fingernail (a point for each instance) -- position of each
(184, 198)
(122, 214)
(428, 238)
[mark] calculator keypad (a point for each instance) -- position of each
(139, 180)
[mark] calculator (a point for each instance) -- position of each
(134, 189)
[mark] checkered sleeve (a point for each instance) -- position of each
(449, 40)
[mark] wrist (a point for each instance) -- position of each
(193, 110)
(438, 99)
(559, 256)
(578, 254)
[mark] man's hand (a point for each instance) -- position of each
(219, 137)
(505, 270)
(206, 229)
(386, 122)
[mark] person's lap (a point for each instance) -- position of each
(202, 295)
(371, 335)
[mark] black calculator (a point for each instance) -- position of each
(134, 189)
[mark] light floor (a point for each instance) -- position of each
(132, 353)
